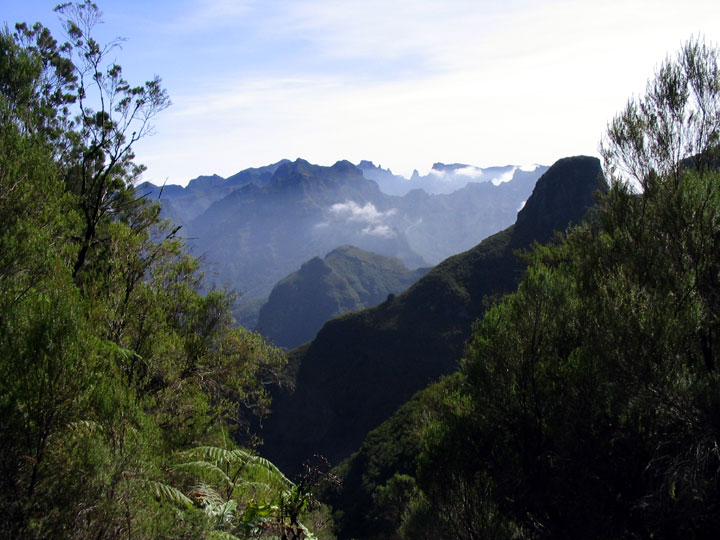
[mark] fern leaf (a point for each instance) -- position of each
(207, 468)
(207, 495)
(212, 453)
(168, 493)
(266, 470)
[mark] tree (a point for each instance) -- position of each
(678, 119)
(111, 361)
(97, 116)
(590, 404)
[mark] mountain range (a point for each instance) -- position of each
(256, 227)
(442, 178)
(362, 366)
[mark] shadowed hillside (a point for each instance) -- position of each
(362, 366)
(347, 279)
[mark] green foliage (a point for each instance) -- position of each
(242, 495)
(676, 120)
(112, 362)
(590, 407)
(377, 484)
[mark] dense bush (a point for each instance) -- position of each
(115, 373)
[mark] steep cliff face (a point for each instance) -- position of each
(347, 279)
(561, 197)
(362, 366)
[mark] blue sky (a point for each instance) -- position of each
(401, 83)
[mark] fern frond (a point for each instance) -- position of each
(261, 468)
(215, 454)
(207, 468)
(226, 512)
(241, 455)
(256, 486)
(168, 493)
(207, 495)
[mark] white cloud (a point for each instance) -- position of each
(202, 15)
(383, 231)
(504, 177)
(366, 215)
(352, 211)
(529, 168)
(471, 171)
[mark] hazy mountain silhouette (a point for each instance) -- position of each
(347, 279)
(257, 226)
(443, 178)
(183, 204)
(362, 366)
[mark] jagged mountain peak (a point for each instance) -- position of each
(204, 182)
(301, 168)
(289, 167)
(345, 167)
(448, 167)
(367, 164)
(256, 175)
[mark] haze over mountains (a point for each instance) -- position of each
(442, 178)
(345, 249)
(256, 227)
(362, 366)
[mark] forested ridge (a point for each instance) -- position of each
(126, 397)
(347, 279)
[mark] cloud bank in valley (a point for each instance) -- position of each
(372, 221)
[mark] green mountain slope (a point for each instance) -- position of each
(347, 279)
(362, 366)
(384, 466)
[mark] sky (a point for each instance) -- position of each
(401, 83)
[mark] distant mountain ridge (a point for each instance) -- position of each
(261, 224)
(259, 234)
(362, 366)
(183, 204)
(347, 279)
(442, 178)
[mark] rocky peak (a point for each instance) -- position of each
(561, 197)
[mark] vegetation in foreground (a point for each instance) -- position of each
(587, 404)
(122, 390)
